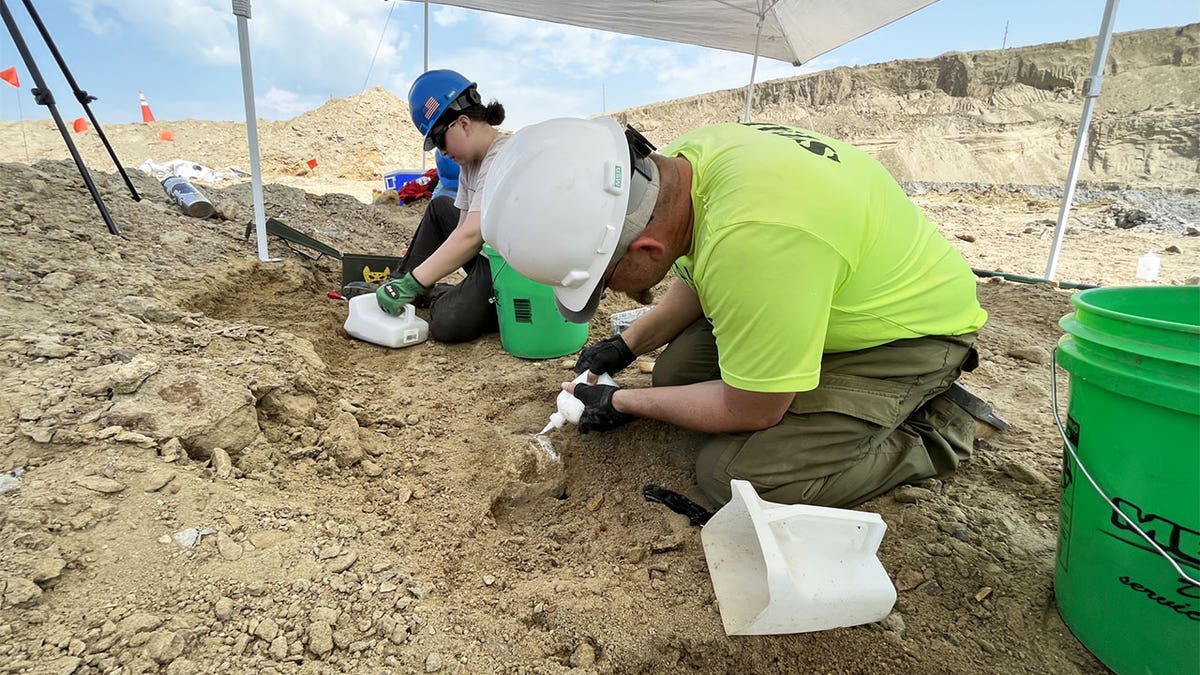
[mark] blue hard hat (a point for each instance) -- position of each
(432, 94)
(447, 169)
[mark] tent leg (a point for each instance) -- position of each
(1091, 91)
(424, 155)
(241, 9)
(753, 71)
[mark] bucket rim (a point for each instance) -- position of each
(1080, 301)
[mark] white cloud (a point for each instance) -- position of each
(182, 28)
(282, 104)
(307, 50)
(91, 20)
(686, 71)
(325, 45)
(449, 16)
(569, 51)
(294, 43)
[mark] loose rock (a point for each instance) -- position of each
(320, 638)
(222, 465)
(100, 484)
(266, 629)
(165, 646)
(223, 609)
(584, 656)
(227, 547)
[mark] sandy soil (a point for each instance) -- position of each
(375, 510)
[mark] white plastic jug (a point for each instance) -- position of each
(369, 323)
(780, 568)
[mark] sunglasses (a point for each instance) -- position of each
(439, 137)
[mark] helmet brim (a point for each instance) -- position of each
(584, 314)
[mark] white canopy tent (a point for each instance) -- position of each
(795, 31)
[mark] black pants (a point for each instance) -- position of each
(460, 312)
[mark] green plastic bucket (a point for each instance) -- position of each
(1129, 531)
(530, 325)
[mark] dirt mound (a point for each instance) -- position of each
(357, 138)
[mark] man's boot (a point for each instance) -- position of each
(987, 422)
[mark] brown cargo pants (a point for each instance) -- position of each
(875, 421)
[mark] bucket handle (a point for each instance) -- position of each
(496, 296)
(1083, 469)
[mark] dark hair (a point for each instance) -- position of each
(469, 103)
(492, 113)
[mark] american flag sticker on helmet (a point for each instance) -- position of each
(431, 106)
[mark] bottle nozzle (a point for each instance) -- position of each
(557, 420)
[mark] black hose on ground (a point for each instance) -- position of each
(1030, 280)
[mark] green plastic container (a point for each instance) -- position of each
(530, 325)
(1133, 355)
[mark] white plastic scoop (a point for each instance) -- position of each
(780, 568)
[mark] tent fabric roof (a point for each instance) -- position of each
(796, 31)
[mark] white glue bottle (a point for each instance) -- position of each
(571, 408)
(1148, 266)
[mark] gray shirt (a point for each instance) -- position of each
(470, 176)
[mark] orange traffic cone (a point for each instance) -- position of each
(147, 116)
(167, 135)
(81, 125)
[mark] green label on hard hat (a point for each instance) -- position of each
(617, 174)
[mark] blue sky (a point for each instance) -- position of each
(184, 53)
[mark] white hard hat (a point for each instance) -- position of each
(562, 200)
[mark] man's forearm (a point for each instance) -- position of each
(677, 310)
(711, 407)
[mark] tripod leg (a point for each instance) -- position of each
(42, 95)
(82, 96)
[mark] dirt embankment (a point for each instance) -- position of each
(1004, 116)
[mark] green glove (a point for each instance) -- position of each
(395, 294)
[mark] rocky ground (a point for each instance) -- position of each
(213, 478)
(201, 473)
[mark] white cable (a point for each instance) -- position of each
(377, 46)
(1071, 449)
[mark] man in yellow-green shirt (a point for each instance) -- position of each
(816, 324)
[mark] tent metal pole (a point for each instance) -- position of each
(753, 69)
(241, 9)
(425, 69)
(1091, 91)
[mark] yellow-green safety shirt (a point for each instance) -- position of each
(802, 245)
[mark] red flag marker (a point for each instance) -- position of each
(9, 75)
(312, 163)
(81, 125)
(167, 135)
(147, 116)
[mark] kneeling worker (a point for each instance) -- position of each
(817, 321)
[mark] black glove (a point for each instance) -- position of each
(598, 411)
(606, 356)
